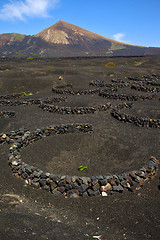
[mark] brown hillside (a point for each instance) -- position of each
(67, 40)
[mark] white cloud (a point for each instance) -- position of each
(23, 9)
(119, 36)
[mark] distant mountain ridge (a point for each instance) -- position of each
(67, 40)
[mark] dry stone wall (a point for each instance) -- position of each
(10, 102)
(74, 110)
(74, 92)
(140, 122)
(70, 185)
(123, 97)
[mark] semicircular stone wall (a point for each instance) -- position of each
(70, 185)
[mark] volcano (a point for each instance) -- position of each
(67, 40)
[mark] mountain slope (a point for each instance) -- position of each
(64, 40)
(66, 33)
(10, 38)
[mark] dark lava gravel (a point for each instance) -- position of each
(125, 138)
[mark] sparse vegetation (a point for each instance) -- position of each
(110, 64)
(28, 42)
(24, 94)
(20, 52)
(30, 58)
(18, 36)
(82, 168)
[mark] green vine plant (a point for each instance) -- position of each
(24, 94)
(82, 168)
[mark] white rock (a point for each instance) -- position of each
(15, 163)
(26, 181)
(104, 194)
(97, 237)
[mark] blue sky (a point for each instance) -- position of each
(132, 21)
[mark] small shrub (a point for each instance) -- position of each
(110, 64)
(82, 168)
(30, 58)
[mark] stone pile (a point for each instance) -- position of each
(138, 79)
(150, 80)
(74, 92)
(123, 97)
(5, 114)
(97, 83)
(17, 95)
(153, 82)
(140, 87)
(12, 136)
(54, 100)
(70, 185)
(116, 83)
(111, 89)
(31, 101)
(140, 122)
(122, 106)
(74, 110)
(19, 102)
(119, 81)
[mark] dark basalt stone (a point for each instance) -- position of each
(53, 186)
(118, 188)
(29, 169)
(62, 183)
(103, 182)
(42, 182)
(73, 193)
(61, 189)
(82, 188)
